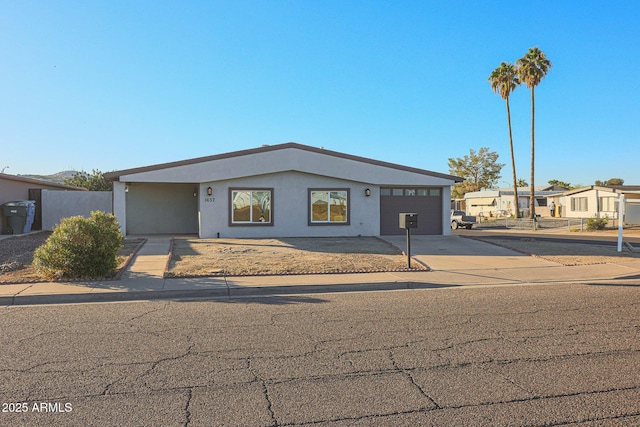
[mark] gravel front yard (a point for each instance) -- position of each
(237, 257)
(16, 256)
(568, 254)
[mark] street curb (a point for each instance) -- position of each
(107, 297)
(215, 293)
(231, 292)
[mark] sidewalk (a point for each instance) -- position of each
(454, 260)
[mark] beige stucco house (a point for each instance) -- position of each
(593, 201)
(283, 190)
(499, 202)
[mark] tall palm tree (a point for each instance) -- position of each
(504, 80)
(532, 68)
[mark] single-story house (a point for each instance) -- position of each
(16, 188)
(284, 190)
(499, 202)
(593, 201)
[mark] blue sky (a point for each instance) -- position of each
(117, 84)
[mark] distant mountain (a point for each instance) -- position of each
(57, 178)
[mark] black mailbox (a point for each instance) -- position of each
(408, 220)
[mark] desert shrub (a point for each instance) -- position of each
(80, 248)
(597, 223)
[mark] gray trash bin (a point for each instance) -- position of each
(19, 216)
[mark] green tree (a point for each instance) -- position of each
(480, 170)
(504, 80)
(611, 181)
(561, 184)
(521, 183)
(93, 182)
(532, 68)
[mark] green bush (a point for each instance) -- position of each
(597, 223)
(80, 248)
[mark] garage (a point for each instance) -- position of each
(425, 201)
(161, 208)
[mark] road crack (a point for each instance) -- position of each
(187, 411)
(265, 392)
(407, 373)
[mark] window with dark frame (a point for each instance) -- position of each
(328, 207)
(251, 206)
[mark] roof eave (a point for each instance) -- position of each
(115, 175)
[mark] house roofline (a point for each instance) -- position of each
(522, 192)
(40, 182)
(613, 189)
(115, 175)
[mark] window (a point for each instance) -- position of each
(607, 204)
(579, 204)
(329, 206)
(410, 192)
(251, 207)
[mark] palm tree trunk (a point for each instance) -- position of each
(513, 165)
(532, 205)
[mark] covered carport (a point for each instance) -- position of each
(161, 208)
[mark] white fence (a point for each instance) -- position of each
(544, 223)
(541, 223)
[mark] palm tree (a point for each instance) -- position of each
(504, 80)
(532, 68)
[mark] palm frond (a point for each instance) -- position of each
(504, 79)
(533, 67)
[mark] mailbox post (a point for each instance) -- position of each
(408, 221)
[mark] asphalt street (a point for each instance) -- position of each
(523, 355)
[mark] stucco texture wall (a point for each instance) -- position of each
(290, 207)
(61, 204)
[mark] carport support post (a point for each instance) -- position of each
(409, 248)
(620, 221)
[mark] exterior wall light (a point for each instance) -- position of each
(209, 191)
(367, 192)
(195, 192)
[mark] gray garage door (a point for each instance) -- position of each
(159, 208)
(426, 202)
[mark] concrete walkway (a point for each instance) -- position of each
(151, 260)
(455, 261)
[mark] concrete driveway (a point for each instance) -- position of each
(455, 260)
(447, 253)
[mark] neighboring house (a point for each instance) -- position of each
(283, 190)
(459, 205)
(14, 188)
(499, 202)
(592, 201)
